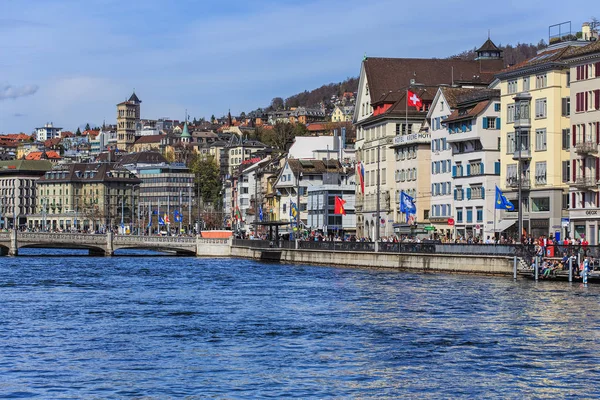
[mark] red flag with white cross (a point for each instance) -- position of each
(414, 100)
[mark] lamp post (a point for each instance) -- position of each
(378, 222)
(298, 204)
(189, 208)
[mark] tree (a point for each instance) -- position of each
(78, 133)
(280, 137)
(277, 103)
(212, 119)
(87, 127)
(242, 115)
(195, 122)
(206, 171)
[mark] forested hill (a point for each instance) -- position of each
(512, 55)
(324, 93)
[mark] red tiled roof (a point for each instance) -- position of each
(52, 142)
(92, 133)
(471, 113)
(315, 127)
(65, 134)
(37, 155)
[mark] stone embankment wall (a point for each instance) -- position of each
(491, 265)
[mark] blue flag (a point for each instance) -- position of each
(407, 205)
(161, 221)
(260, 213)
(501, 202)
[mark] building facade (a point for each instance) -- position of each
(320, 209)
(535, 142)
(48, 131)
(95, 197)
(584, 173)
(18, 194)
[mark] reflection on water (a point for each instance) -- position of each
(176, 327)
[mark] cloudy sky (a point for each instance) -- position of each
(72, 61)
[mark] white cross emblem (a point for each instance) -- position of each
(414, 99)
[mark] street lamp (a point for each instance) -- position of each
(298, 204)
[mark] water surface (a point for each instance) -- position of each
(171, 327)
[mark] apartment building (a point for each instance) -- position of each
(583, 168)
(535, 96)
(442, 202)
(473, 135)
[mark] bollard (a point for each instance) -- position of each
(586, 268)
(536, 268)
(570, 269)
(515, 267)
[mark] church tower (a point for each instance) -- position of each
(128, 117)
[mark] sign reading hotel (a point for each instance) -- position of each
(423, 137)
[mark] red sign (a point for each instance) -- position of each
(450, 221)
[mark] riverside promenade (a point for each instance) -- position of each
(489, 259)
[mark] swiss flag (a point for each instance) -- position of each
(414, 100)
(339, 206)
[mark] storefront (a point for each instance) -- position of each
(585, 224)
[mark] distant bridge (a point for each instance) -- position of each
(107, 244)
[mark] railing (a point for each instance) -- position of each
(586, 147)
(128, 239)
(337, 246)
(514, 183)
(61, 237)
(583, 182)
(523, 251)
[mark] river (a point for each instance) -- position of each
(173, 327)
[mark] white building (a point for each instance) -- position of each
(474, 133)
(48, 131)
(321, 203)
(442, 200)
(300, 175)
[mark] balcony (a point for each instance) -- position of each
(514, 183)
(525, 154)
(586, 148)
(584, 183)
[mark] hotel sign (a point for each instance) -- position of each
(412, 138)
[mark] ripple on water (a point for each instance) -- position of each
(175, 327)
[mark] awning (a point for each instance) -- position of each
(503, 225)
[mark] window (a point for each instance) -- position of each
(510, 143)
(540, 204)
(383, 176)
(469, 215)
(510, 113)
(541, 81)
(479, 214)
(566, 139)
(459, 215)
(477, 192)
(565, 201)
(526, 84)
(540, 173)
(566, 106)
(511, 174)
(566, 171)
(491, 123)
(476, 168)
(397, 129)
(458, 193)
(540, 139)
(512, 86)
(540, 108)
(568, 78)
(497, 107)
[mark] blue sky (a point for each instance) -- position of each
(72, 61)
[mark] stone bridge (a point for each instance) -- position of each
(107, 244)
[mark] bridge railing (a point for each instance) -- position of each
(133, 239)
(61, 237)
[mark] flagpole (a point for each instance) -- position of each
(158, 219)
(406, 113)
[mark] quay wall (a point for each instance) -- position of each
(455, 263)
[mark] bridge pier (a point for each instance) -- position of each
(3, 251)
(14, 248)
(98, 253)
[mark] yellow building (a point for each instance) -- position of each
(342, 114)
(534, 100)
